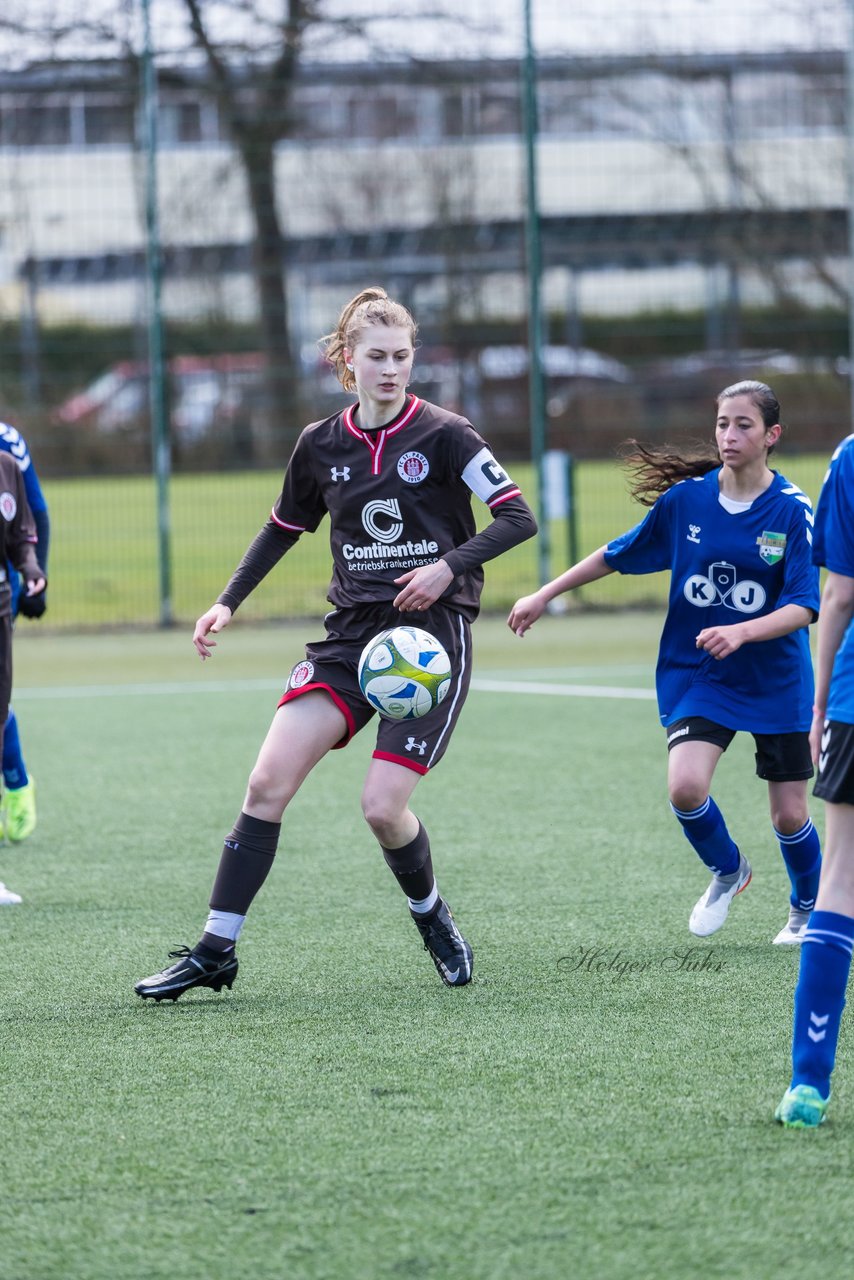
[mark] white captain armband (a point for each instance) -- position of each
(487, 480)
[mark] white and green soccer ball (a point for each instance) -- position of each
(404, 673)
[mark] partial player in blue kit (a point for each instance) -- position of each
(18, 811)
(734, 652)
(829, 938)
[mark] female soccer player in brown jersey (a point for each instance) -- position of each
(396, 475)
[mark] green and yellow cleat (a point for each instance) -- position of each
(802, 1107)
(20, 815)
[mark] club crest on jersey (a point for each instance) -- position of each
(8, 505)
(301, 675)
(771, 546)
(413, 467)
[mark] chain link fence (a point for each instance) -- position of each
(692, 221)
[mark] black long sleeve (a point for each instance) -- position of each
(263, 554)
(513, 523)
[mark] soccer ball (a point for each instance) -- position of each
(404, 673)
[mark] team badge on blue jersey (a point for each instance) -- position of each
(771, 546)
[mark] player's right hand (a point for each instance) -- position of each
(217, 617)
(525, 612)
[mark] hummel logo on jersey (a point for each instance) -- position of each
(343, 474)
(694, 529)
(412, 745)
(723, 587)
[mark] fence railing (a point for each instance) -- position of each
(104, 546)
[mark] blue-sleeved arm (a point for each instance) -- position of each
(647, 547)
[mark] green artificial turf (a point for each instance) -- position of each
(597, 1103)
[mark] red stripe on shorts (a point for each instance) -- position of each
(290, 694)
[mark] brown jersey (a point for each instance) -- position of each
(17, 529)
(398, 497)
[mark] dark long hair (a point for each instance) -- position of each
(653, 469)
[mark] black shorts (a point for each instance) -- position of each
(835, 782)
(332, 665)
(780, 757)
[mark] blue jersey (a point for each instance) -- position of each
(726, 567)
(13, 442)
(834, 548)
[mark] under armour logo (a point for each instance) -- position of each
(694, 530)
(412, 745)
(343, 474)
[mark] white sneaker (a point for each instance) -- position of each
(712, 909)
(7, 897)
(792, 933)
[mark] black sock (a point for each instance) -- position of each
(412, 866)
(210, 947)
(247, 857)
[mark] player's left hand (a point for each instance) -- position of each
(720, 642)
(32, 604)
(422, 587)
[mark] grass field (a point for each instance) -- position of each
(104, 545)
(340, 1115)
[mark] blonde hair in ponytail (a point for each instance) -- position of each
(371, 306)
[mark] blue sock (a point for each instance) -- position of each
(820, 998)
(802, 856)
(706, 832)
(14, 770)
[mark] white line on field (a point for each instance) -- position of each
(479, 683)
(559, 690)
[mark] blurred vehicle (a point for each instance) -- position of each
(205, 393)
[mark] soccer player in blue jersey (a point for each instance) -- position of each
(734, 654)
(19, 798)
(829, 936)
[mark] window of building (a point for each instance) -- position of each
(179, 121)
(30, 120)
(108, 122)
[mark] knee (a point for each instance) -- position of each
(266, 792)
(788, 820)
(686, 794)
(382, 815)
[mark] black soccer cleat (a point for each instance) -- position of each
(451, 954)
(191, 970)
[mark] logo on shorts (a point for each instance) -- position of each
(722, 587)
(413, 467)
(412, 745)
(771, 546)
(8, 505)
(301, 674)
